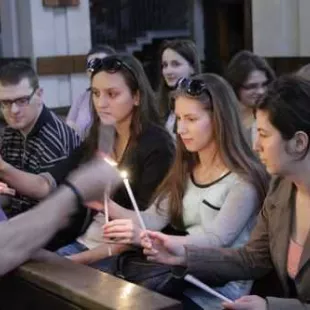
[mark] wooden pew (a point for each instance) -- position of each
(53, 282)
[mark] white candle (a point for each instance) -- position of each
(132, 199)
(206, 288)
(106, 212)
(110, 161)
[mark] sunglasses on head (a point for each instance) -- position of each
(194, 88)
(108, 64)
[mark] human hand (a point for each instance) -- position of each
(5, 190)
(125, 231)
(162, 248)
(251, 302)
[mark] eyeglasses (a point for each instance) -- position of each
(194, 88)
(252, 86)
(110, 64)
(20, 102)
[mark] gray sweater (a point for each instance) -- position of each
(219, 214)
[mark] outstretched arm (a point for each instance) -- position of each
(24, 234)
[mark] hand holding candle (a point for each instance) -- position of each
(124, 175)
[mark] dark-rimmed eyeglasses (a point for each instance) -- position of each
(193, 87)
(20, 102)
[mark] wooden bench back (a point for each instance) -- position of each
(53, 282)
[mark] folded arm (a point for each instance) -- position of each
(29, 184)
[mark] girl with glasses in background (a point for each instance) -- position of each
(215, 187)
(249, 75)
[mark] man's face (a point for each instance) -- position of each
(21, 105)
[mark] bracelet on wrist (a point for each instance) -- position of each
(76, 192)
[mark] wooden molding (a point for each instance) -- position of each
(58, 65)
(60, 3)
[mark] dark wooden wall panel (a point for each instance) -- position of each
(58, 65)
(60, 3)
(284, 65)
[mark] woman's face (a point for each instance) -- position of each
(174, 67)
(271, 147)
(253, 88)
(112, 98)
(194, 124)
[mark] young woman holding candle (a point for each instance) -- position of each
(216, 185)
(178, 59)
(281, 238)
(122, 96)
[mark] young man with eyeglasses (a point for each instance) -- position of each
(35, 139)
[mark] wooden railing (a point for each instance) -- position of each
(53, 282)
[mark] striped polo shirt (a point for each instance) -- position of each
(49, 142)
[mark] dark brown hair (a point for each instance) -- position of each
(15, 71)
(287, 102)
(144, 114)
(240, 67)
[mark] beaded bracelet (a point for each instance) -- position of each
(76, 192)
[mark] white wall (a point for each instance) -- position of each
(31, 30)
(281, 27)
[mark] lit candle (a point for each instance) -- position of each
(124, 175)
(106, 212)
(110, 161)
(191, 279)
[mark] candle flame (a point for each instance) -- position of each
(124, 174)
(110, 161)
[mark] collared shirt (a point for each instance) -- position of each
(49, 142)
